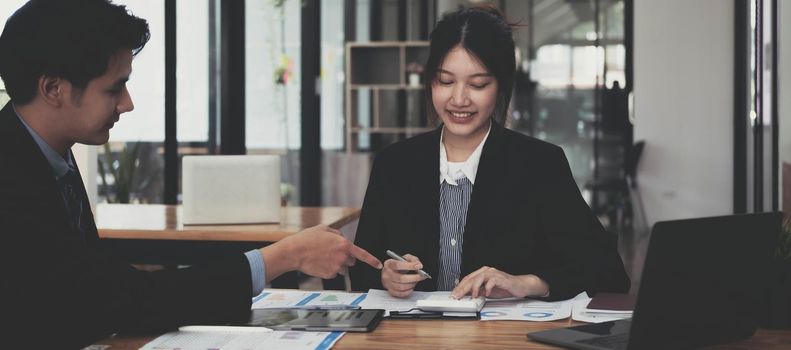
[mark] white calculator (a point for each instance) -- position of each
(447, 304)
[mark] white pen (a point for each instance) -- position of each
(399, 258)
(245, 329)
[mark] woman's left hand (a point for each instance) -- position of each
(493, 283)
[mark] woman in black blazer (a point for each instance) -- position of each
(480, 208)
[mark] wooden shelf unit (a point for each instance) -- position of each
(379, 69)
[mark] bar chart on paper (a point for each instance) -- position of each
(296, 298)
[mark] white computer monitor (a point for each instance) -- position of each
(231, 189)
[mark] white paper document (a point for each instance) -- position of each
(296, 298)
(581, 313)
(515, 309)
(528, 309)
(276, 340)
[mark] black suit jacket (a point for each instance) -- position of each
(526, 216)
(66, 294)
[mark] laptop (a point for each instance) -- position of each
(701, 285)
(230, 189)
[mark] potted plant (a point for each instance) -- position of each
(414, 70)
(122, 171)
(778, 310)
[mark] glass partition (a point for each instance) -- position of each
(571, 90)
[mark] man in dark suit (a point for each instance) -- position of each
(65, 64)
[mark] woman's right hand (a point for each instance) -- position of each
(396, 276)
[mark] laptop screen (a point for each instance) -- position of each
(701, 281)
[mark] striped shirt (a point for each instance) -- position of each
(453, 203)
(456, 180)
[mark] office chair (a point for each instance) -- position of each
(633, 156)
(623, 188)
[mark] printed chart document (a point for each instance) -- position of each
(276, 340)
(514, 309)
(307, 299)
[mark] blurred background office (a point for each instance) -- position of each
(665, 109)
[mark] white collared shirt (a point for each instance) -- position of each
(452, 171)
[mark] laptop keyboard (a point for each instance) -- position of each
(615, 341)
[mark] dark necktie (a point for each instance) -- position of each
(71, 188)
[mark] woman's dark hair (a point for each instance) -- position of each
(485, 34)
(69, 39)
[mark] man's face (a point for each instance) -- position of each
(93, 111)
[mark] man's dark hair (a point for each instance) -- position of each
(485, 34)
(69, 39)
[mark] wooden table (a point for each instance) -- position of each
(152, 234)
(404, 334)
(163, 222)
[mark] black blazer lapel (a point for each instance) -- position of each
(91, 234)
(426, 195)
(32, 173)
(28, 155)
(488, 183)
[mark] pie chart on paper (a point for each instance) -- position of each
(493, 314)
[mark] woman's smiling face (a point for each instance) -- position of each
(464, 95)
